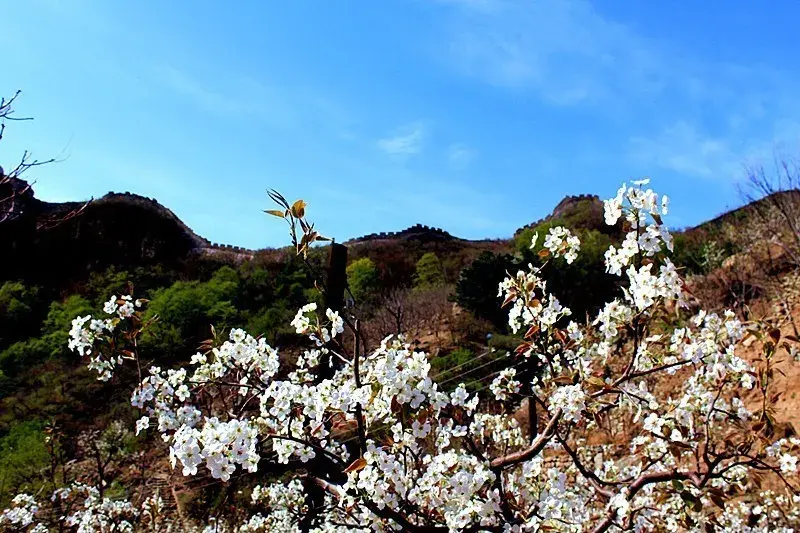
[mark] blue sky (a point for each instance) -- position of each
(473, 115)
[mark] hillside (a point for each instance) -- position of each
(125, 229)
(583, 211)
(66, 258)
(742, 214)
(118, 229)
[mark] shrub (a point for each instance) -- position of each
(23, 458)
(429, 271)
(362, 279)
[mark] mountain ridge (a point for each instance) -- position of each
(584, 210)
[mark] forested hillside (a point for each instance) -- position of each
(59, 424)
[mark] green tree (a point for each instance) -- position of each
(20, 311)
(52, 339)
(23, 458)
(102, 285)
(187, 309)
(60, 316)
(429, 271)
(362, 278)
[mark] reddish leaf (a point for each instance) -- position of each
(355, 466)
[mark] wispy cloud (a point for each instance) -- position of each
(563, 49)
(208, 99)
(684, 148)
(568, 53)
(460, 154)
(234, 96)
(405, 142)
(707, 115)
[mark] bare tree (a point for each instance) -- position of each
(13, 189)
(410, 311)
(772, 235)
(103, 449)
(774, 194)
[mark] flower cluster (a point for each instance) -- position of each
(393, 449)
(306, 322)
(86, 331)
(560, 242)
(85, 509)
(22, 513)
(283, 501)
(504, 385)
(570, 400)
(637, 205)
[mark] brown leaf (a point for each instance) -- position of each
(276, 213)
(509, 299)
(355, 466)
(563, 380)
(299, 209)
(532, 331)
(396, 406)
(594, 380)
(718, 497)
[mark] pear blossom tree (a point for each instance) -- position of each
(645, 417)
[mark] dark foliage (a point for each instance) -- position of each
(476, 289)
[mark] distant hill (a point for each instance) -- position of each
(128, 230)
(583, 211)
(740, 215)
(417, 232)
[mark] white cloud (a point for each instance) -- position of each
(282, 107)
(406, 142)
(562, 49)
(685, 149)
(206, 98)
(707, 115)
(567, 53)
(460, 154)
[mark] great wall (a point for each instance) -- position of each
(201, 242)
(417, 231)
